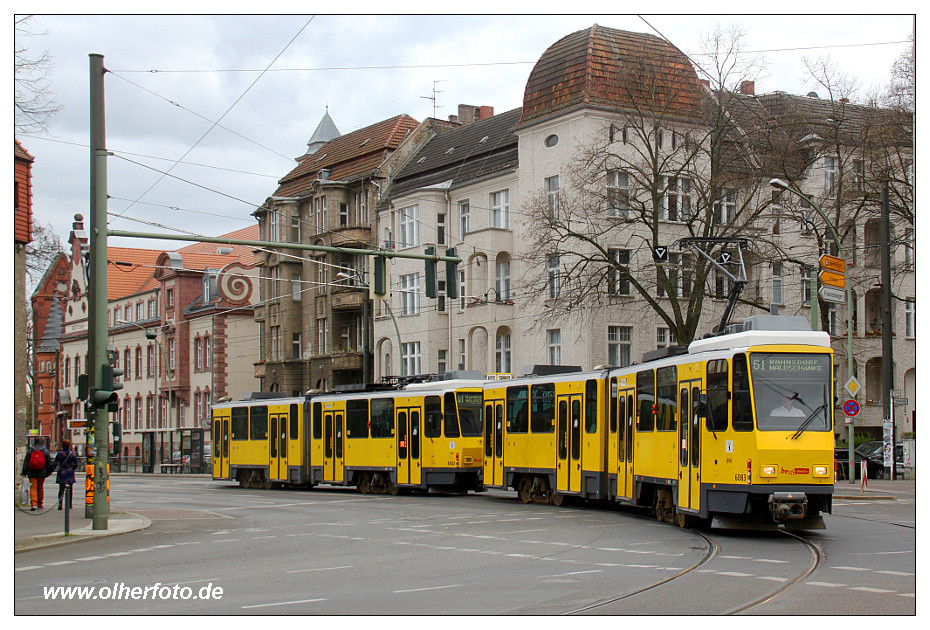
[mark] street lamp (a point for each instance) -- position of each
(779, 184)
(151, 335)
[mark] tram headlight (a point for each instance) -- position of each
(821, 471)
(769, 470)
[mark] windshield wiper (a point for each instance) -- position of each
(807, 421)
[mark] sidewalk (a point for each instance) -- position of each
(877, 490)
(45, 528)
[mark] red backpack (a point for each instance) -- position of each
(37, 460)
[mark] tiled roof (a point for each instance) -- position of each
(482, 148)
(353, 154)
(22, 174)
(610, 68)
(242, 252)
(130, 271)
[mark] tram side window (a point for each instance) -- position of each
(590, 406)
(258, 423)
(317, 421)
(295, 423)
(742, 401)
(451, 427)
(433, 426)
(718, 395)
(382, 417)
(240, 423)
(613, 405)
(357, 419)
(542, 408)
(666, 398)
(518, 411)
(645, 400)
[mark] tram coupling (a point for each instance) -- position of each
(788, 505)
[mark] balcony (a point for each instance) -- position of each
(347, 360)
(351, 237)
(349, 299)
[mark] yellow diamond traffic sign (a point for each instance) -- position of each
(852, 386)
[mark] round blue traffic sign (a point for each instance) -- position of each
(851, 408)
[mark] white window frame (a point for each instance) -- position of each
(665, 337)
(778, 296)
(618, 282)
(910, 318)
(725, 207)
(620, 346)
(677, 190)
(553, 272)
(502, 280)
(502, 353)
(464, 217)
(829, 176)
(551, 185)
(500, 209)
(554, 346)
(411, 357)
(410, 294)
(409, 226)
(619, 193)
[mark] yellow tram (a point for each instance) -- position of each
(737, 429)
(420, 435)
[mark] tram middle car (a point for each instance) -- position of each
(415, 436)
(737, 430)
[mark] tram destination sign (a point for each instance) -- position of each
(775, 364)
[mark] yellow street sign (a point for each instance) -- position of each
(833, 279)
(833, 263)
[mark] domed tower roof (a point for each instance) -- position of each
(606, 67)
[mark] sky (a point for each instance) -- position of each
(225, 104)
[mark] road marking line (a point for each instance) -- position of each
(524, 531)
(869, 589)
(428, 588)
(28, 568)
(827, 584)
(735, 574)
(299, 601)
(771, 561)
(118, 553)
(906, 595)
(772, 578)
(851, 568)
(262, 537)
(226, 540)
(89, 558)
(320, 569)
(58, 564)
(895, 572)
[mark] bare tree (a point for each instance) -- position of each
(41, 251)
(34, 103)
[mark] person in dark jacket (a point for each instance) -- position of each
(37, 466)
(65, 462)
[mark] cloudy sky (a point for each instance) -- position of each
(173, 78)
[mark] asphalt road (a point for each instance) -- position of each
(334, 551)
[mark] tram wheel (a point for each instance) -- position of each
(557, 499)
(394, 489)
(684, 520)
(526, 490)
(364, 484)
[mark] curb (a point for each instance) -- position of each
(47, 541)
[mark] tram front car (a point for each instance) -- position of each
(774, 460)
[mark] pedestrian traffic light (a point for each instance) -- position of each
(106, 393)
(432, 283)
(452, 282)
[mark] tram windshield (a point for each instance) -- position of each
(470, 405)
(792, 391)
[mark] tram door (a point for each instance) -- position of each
(332, 446)
(689, 447)
(408, 445)
(494, 443)
(277, 445)
(221, 447)
(625, 443)
(568, 444)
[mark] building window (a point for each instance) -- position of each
(725, 207)
(275, 343)
(171, 354)
(295, 228)
(150, 361)
(554, 279)
(441, 361)
(618, 279)
(461, 363)
(464, 218)
(500, 209)
(138, 363)
(153, 308)
(198, 354)
(909, 248)
(502, 352)
(910, 318)
(149, 412)
(411, 357)
(858, 168)
(170, 295)
(829, 176)
(410, 294)
(296, 287)
(140, 312)
(127, 364)
(676, 200)
(343, 215)
(441, 229)
(208, 352)
(322, 338)
(777, 297)
(502, 280)
(138, 410)
(198, 401)
(67, 371)
(678, 273)
(805, 285)
(409, 226)
(127, 313)
(619, 345)
(554, 346)
(618, 194)
(319, 205)
(295, 345)
(361, 209)
(552, 196)
(665, 337)
(274, 231)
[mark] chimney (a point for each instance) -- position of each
(748, 88)
(471, 113)
(705, 83)
(844, 100)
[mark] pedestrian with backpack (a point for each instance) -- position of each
(37, 466)
(65, 462)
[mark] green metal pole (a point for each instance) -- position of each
(97, 286)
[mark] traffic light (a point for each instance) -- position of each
(452, 276)
(106, 394)
(117, 437)
(432, 283)
(82, 387)
(381, 278)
